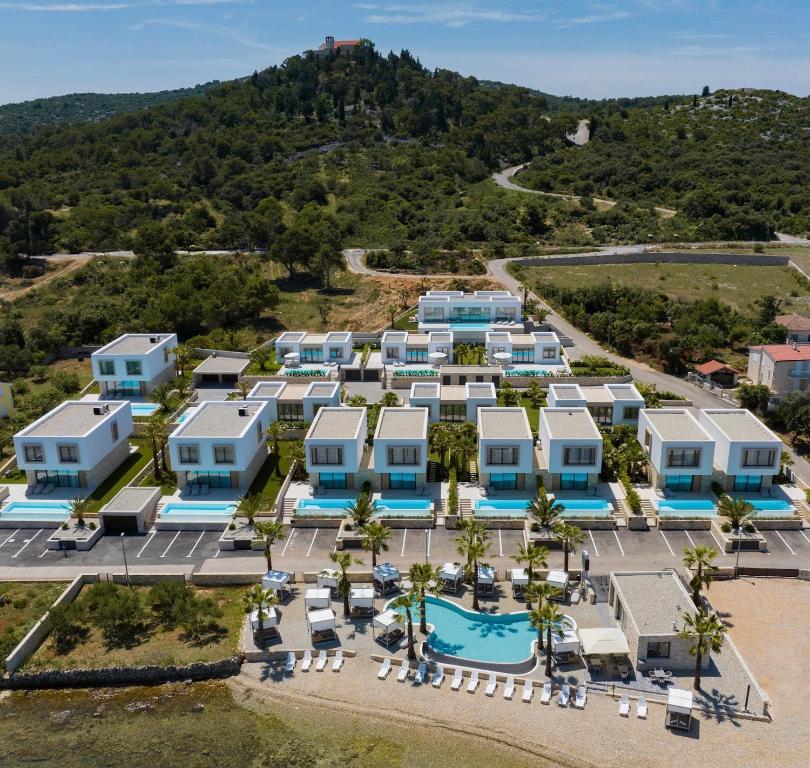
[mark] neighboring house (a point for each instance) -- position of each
(296, 401)
(330, 45)
(401, 448)
(453, 402)
(470, 316)
(747, 454)
(680, 450)
(609, 404)
(404, 347)
(715, 372)
(783, 368)
(334, 447)
(223, 444)
(6, 399)
(538, 348)
(333, 347)
(134, 364)
(797, 327)
(77, 445)
(219, 370)
(571, 447)
(505, 449)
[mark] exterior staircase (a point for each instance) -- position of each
(472, 471)
(434, 472)
(465, 507)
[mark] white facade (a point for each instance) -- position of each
(538, 348)
(401, 447)
(134, 363)
(453, 402)
(426, 395)
(505, 448)
(403, 347)
(478, 311)
(334, 347)
(479, 395)
(572, 447)
(293, 401)
(334, 446)
(609, 404)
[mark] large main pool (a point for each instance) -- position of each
(498, 638)
(24, 511)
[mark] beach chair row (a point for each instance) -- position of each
(320, 663)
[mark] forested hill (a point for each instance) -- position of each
(25, 116)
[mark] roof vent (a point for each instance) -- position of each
(153, 339)
(100, 410)
(242, 410)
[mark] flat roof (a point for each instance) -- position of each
(575, 423)
(220, 418)
(503, 423)
(291, 337)
(73, 418)
(132, 499)
(394, 337)
(740, 424)
(402, 423)
(134, 344)
(338, 336)
(314, 338)
(440, 336)
(294, 391)
(267, 390)
(654, 600)
(425, 389)
(481, 389)
(220, 364)
(623, 392)
(676, 424)
(451, 392)
(567, 391)
(322, 389)
(336, 423)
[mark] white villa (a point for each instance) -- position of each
(76, 445)
(538, 348)
(571, 449)
(292, 401)
(402, 347)
(223, 444)
(401, 448)
(134, 364)
(609, 404)
(453, 402)
(298, 347)
(334, 447)
(506, 458)
(469, 315)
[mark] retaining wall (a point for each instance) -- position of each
(664, 257)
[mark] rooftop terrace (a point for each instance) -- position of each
(336, 423)
(503, 423)
(572, 423)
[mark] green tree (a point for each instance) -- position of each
(474, 549)
(270, 532)
(569, 536)
(545, 511)
(259, 599)
(533, 557)
(275, 432)
(375, 539)
(551, 617)
(699, 560)
(754, 397)
(425, 580)
(261, 356)
(362, 510)
(403, 605)
(162, 395)
(706, 634)
(79, 509)
(183, 355)
(343, 560)
(540, 592)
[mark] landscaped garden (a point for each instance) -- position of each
(270, 477)
(122, 476)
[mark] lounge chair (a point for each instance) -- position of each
(385, 668)
(472, 686)
(438, 676)
(581, 697)
(421, 673)
(528, 690)
(492, 684)
(290, 665)
(338, 662)
(458, 679)
(307, 662)
(509, 688)
(321, 663)
(624, 705)
(545, 696)
(641, 708)
(565, 695)
(403, 673)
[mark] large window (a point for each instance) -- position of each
(61, 479)
(33, 453)
(503, 481)
(68, 454)
(579, 455)
(401, 481)
(657, 649)
(311, 355)
(188, 454)
(392, 353)
(327, 455)
(453, 412)
(211, 479)
(759, 457)
(683, 457)
(434, 314)
(223, 454)
(506, 455)
(747, 482)
(550, 353)
(471, 315)
(134, 367)
(403, 454)
(630, 413)
(682, 483)
(416, 355)
(106, 367)
(602, 414)
(504, 314)
(290, 411)
(523, 355)
(573, 481)
(335, 353)
(332, 479)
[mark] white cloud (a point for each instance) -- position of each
(95, 6)
(597, 18)
(211, 29)
(449, 15)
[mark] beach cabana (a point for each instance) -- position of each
(520, 580)
(603, 641)
(452, 576)
(387, 628)
(486, 580)
(361, 601)
(679, 709)
(564, 643)
(321, 624)
(328, 577)
(558, 580)
(317, 598)
(386, 579)
(270, 619)
(279, 582)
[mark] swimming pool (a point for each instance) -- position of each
(472, 326)
(498, 638)
(585, 508)
(143, 409)
(212, 511)
(771, 507)
(403, 507)
(686, 508)
(323, 507)
(26, 511)
(187, 414)
(501, 508)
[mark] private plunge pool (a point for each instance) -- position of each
(403, 507)
(143, 410)
(35, 511)
(505, 638)
(198, 511)
(771, 507)
(697, 508)
(501, 508)
(334, 508)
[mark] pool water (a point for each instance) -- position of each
(471, 326)
(53, 511)
(192, 510)
(403, 507)
(187, 414)
(770, 507)
(323, 507)
(585, 508)
(501, 508)
(499, 638)
(686, 508)
(143, 409)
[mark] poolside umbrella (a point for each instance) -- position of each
(504, 358)
(437, 357)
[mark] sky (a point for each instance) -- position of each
(607, 48)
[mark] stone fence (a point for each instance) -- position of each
(665, 257)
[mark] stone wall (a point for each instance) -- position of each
(108, 464)
(591, 259)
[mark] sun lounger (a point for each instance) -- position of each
(565, 695)
(403, 673)
(624, 705)
(307, 662)
(528, 691)
(385, 668)
(581, 697)
(473, 684)
(509, 688)
(492, 684)
(321, 663)
(338, 662)
(290, 665)
(545, 696)
(438, 676)
(641, 708)
(458, 679)
(421, 672)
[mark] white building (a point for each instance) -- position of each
(401, 448)
(223, 444)
(453, 402)
(333, 347)
(469, 315)
(746, 453)
(783, 368)
(76, 445)
(609, 404)
(399, 347)
(571, 447)
(134, 364)
(538, 348)
(505, 449)
(334, 446)
(292, 401)
(680, 450)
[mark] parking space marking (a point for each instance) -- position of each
(782, 539)
(500, 543)
(690, 539)
(621, 548)
(44, 553)
(166, 551)
(804, 535)
(289, 539)
(191, 551)
(10, 538)
(404, 539)
(593, 541)
(717, 541)
(312, 543)
(148, 541)
(666, 541)
(216, 554)
(20, 550)
(427, 544)
(525, 538)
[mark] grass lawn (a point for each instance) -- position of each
(21, 606)
(123, 475)
(532, 412)
(15, 476)
(272, 474)
(155, 645)
(81, 369)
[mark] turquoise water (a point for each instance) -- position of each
(770, 507)
(686, 508)
(461, 326)
(187, 414)
(403, 507)
(54, 511)
(585, 508)
(143, 409)
(501, 507)
(323, 507)
(504, 638)
(198, 509)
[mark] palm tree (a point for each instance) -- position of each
(535, 394)
(260, 356)
(475, 549)
(440, 441)
(569, 536)
(706, 633)
(243, 388)
(344, 561)
(356, 401)
(183, 355)
(470, 529)
(738, 513)
(699, 561)
(157, 431)
(546, 511)
(540, 592)
(251, 505)
(403, 605)
(297, 457)
(79, 507)
(271, 531)
(274, 433)
(536, 621)
(162, 395)
(550, 616)
(375, 539)
(257, 598)
(534, 557)
(389, 400)
(362, 510)
(425, 580)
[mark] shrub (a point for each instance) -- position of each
(717, 489)
(67, 625)
(118, 613)
(66, 381)
(198, 616)
(166, 599)
(452, 493)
